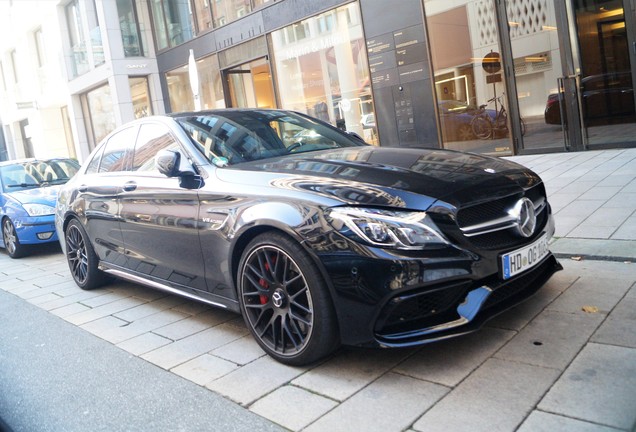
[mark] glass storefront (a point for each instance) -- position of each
(140, 96)
(322, 70)
(130, 32)
(210, 84)
(98, 107)
(172, 21)
(469, 85)
(85, 36)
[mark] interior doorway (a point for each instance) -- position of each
(250, 85)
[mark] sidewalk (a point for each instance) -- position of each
(564, 360)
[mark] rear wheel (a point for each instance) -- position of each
(11, 240)
(81, 257)
(285, 302)
(482, 127)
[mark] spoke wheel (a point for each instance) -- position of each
(11, 241)
(284, 301)
(482, 127)
(82, 260)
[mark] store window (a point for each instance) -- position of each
(130, 32)
(85, 36)
(98, 107)
(210, 86)
(467, 72)
(322, 70)
(173, 24)
(140, 96)
(226, 11)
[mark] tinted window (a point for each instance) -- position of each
(118, 151)
(152, 138)
(238, 136)
(94, 163)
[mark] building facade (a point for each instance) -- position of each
(553, 75)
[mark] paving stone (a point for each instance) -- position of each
(449, 362)
(496, 397)
(599, 386)
(104, 326)
(253, 381)
(73, 298)
(70, 310)
(43, 298)
(105, 298)
(551, 340)
(150, 308)
(600, 192)
(627, 231)
(391, 403)
(144, 343)
(204, 369)
(143, 325)
(192, 346)
(619, 327)
(603, 294)
(540, 421)
(350, 370)
(194, 324)
(241, 351)
(292, 407)
(104, 310)
(45, 279)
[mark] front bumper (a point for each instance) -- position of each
(35, 230)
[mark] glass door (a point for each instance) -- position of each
(470, 86)
(250, 85)
(606, 80)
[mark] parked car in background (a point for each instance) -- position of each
(456, 117)
(27, 202)
(606, 98)
(316, 243)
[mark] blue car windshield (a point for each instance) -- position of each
(35, 174)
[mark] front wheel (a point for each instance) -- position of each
(11, 241)
(285, 302)
(482, 127)
(81, 257)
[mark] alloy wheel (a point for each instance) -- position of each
(277, 300)
(77, 254)
(9, 236)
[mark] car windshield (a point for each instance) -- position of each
(34, 174)
(235, 136)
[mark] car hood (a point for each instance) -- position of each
(44, 195)
(413, 178)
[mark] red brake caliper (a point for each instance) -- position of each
(262, 282)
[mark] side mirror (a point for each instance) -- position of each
(355, 135)
(173, 164)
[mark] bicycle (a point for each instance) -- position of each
(485, 127)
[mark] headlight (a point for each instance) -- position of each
(387, 228)
(38, 209)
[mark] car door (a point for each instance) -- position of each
(159, 217)
(98, 193)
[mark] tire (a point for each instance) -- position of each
(81, 257)
(11, 241)
(285, 302)
(482, 127)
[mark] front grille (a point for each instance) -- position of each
(485, 213)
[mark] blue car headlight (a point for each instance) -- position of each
(409, 230)
(39, 209)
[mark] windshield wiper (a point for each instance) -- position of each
(23, 185)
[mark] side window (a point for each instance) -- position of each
(118, 151)
(152, 138)
(93, 165)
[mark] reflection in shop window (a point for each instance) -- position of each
(226, 11)
(140, 96)
(325, 73)
(130, 32)
(173, 23)
(99, 104)
(211, 86)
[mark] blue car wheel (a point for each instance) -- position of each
(11, 241)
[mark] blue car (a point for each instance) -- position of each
(27, 201)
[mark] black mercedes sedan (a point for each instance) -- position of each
(315, 237)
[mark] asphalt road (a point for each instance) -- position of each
(55, 376)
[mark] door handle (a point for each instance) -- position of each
(130, 186)
(82, 188)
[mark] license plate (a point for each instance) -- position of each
(525, 258)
